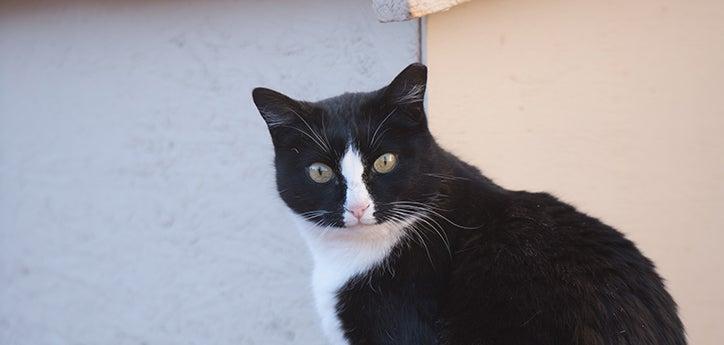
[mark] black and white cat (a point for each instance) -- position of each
(414, 246)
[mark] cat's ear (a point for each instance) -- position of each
(408, 88)
(276, 108)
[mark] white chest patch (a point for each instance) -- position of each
(339, 255)
(343, 253)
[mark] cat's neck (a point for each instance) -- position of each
(464, 194)
(340, 253)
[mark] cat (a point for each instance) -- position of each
(412, 245)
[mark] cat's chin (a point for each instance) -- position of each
(360, 226)
(353, 223)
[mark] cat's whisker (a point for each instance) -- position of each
(379, 141)
(420, 235)
(430, 222)
(438, 229)
(374, 135)
(311, 215)
(314, 229)
(327, 148)
(421, 206)
(414, 231)
(324, 132)
(315, 211)
(319, 143)
(447, 177)
(418, 204)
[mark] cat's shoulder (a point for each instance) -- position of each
(545, 211)
(535, 228)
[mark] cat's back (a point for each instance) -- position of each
(541, 271)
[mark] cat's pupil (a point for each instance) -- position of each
(320, 172)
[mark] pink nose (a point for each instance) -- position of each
(358, 210)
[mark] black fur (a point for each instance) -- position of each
(504, 267)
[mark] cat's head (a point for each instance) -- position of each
(353, 160)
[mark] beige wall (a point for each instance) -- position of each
(615, 106)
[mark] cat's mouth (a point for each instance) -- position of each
(359, 216)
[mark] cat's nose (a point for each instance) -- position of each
(358, 210)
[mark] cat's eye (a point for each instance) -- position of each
(385, 163)
(320, 173)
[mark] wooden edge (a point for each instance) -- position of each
(401, 10)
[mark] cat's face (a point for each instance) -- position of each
(355, 159)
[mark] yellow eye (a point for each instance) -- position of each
(320, 173)
(385, 163)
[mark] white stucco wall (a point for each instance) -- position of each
(136, 195)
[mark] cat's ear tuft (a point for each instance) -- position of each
(276, 108)
(409, 86)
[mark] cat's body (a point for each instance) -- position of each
(432, 252)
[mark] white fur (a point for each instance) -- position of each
(414, 94)
(357, 194)
(339, 255)
(343, 253)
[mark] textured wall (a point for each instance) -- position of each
(136, 199)
(615, 106)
